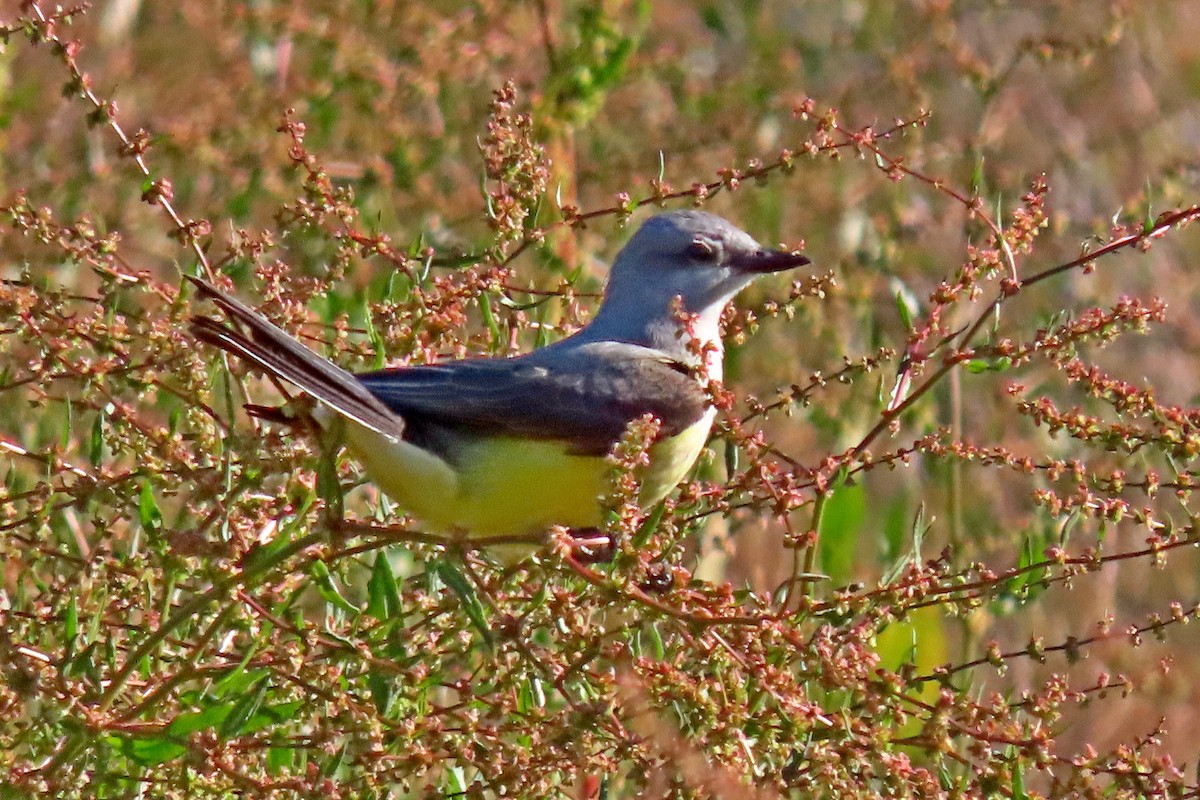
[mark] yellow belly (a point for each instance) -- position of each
(512, 486)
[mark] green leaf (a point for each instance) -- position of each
(525, 702)
(238, 681)
(373, 334)
(451, 576)
(978, 365)
(531, 695)
(383, 596)
(1148, 217)
(1018, 782)
(70, 624)
(919, 640)
(656, 641)
(328, 485)
(323, 580)
(69, 410)
(489, 321)
(192, 721)
(270, 715)
(280, 759)
(733, 457)
(456, 782)
(234, 724)
(334, 763)
(978, 176)
(906, 316)
(649, 525)
(152, 750)
(148, 513)
(380, 687)
(841, 523)
(919, 527)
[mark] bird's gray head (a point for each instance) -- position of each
(698, 257)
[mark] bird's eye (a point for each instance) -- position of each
(700, 250)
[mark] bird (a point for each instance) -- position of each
(513, 446)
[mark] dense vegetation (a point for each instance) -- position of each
(942, 543)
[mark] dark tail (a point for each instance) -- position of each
(270, 349)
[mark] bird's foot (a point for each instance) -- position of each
(592, 545)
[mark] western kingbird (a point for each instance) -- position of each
(501, 446)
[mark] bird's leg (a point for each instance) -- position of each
(593, 546)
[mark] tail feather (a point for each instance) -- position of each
(276, 353)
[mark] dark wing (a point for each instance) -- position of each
(275, 352)
(583, 395)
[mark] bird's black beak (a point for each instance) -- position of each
(764, 261)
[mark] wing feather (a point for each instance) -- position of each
(585, 396)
